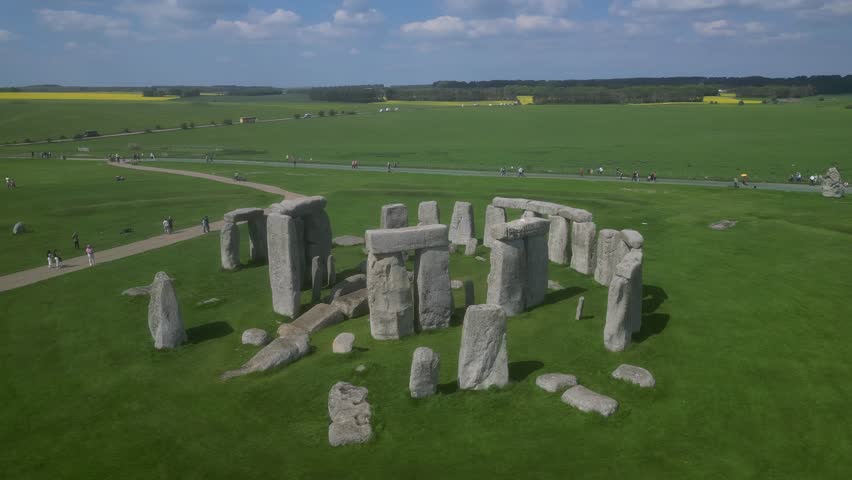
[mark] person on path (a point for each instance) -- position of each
(205, 224)
(389, 167)
(49, 259)
(165, 226)
(57, 260)
(76, 238)
(520, 171)
(171, 224)
(90, 252)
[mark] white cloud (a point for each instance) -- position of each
(74, 21)
(838, 7)
(70, 46)
(159, 12)
(618, 7)
(513, 7)
(259, 24)
(448, 26)
(5, 35)
(715, 28)
(358, 18)
(443, 26)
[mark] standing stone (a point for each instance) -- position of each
(617, 331)
(389, 296)
(257, 237)
(461, 225)
(164, 319)
(469, 294)
(558, 241)
(607, 246)
(633, 264)
(394, 216)
(832, 185)
(470, 247)
(433, 292)
(535, 287)
(285, 276)
(583, 247)
(331, 273)
(317, 278)
(343, 343)
(493, 216)
(229, 246)
(508, 272)
(428, 213)
(350, 415)
(425, 366)
(580, 304)
(483, 359)
(317, 235)
(19, 228)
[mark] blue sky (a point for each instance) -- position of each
(334, 42)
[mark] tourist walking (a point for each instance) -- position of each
(171, 224)
(165, 226)
(57, 260)
(389, 167)
(90, 253)
(205, 224)
(49, 259)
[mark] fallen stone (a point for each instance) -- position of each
(470, 247)
(553, 382)
(493, 216)
(461, 224)
(350, 415)
(519, 229)
(425, 366)
(19, 228)
(287, 329)
(635, 375)
(299, 207)
(348, 285)
(320, 316)
(554, 285)
(394, 216)
(347, 241)
(142, 291)
(586, 400)
(255, 336)
(483, 359)
(209, 301)
(164, 318)
(479, 259)
(832, 185)
(343, 343)
(281, 351)
(723, 224)
(243, 214)
(428, 213)
(353, 305)
(406, 239)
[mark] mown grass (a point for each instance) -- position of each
(55, 198)
(743, 330)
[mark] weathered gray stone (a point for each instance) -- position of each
(493, 216)
(586, 400)
(433, 293)
(554, 285)
(350, 415)
(470, 247)
(258, 249)
(348, 241)
(317, 235)
(362, 266)
(229, 246)
(303, 206)
(544, 208)
(320, 316)
(580, 304)
(617, 332)
(631, 265)
(255, 336)
(281, 351)
(632, 238)
(461, 225)
(209, 301)
(723, 224)
(425, 366)
(559, 241)
(452, 248)
(515, 203)
(583, 247)
(285, 275)
(288, 329)
(19, 228)
(353, 305)
(535, 285)
(576, 214)
(330, 271)
(343, 343)
(317, 278)
(508, 272)
(518, 229)
(389, 294)
(428, 213)
(527, 215)
(348, 285)
(479, 259)
(243, 214)
(635, 375)
(142, 291)
(361, 368)
(554, 382)
(164, 318)
(469, 294)
(406, 239)
(483, 358)
(394, 216)
(832, 185)
(456, 284)
(605, 253)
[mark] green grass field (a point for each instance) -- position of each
(744, 330)
(55, 198)
(769, 142)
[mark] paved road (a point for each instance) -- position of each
(33, 275)
(784, 187)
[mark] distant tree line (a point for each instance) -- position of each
(171, 92)
(353, 93)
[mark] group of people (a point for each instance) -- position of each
(520, 171)
(815, 179)
(54, 259)
(168, 225)
(356, 164)
(11, 183)
(392, 166)
(42, 155)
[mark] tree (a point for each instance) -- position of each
(296, 116)
(332, 112)
(184, 126)
(321, 113)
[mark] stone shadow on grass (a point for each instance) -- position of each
(557, 296)
(652, 298)
(208, 331)
(519, 371)
(448, 388)
(652, 324)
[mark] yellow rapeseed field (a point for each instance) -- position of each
(124, 96)
(526, 99)
(728, 100)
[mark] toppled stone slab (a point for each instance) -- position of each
(354, 304)
(343, 343)
(301, 206)
(142, 291)
(554, 382)
(164, 317)
(320, 316)
(289, 329)
(394, 215)
(350, 415)
(586, 400)
(483, 358)
(347, 241)
(723, 224)
(209, 301)
(456, 284)
(243, 214)
(428, 213)
(405, 239)
(635, 375)
(425, 366)
(347, 285)
(255, 336)
(281, 351)
(519, 229)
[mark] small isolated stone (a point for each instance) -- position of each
(456, 284)
(586, 400)
(256, 337)
(361, 368)
(479, 259)
(142, 291)
(343, 343)
(348, 241)
(350, 415)
(580, 304)
(209, 301)
(723, 225)
(635, 375)
(164, 317)
(425, 366)
(554, 382)
(19, 228)
(470, 247)
(554, 285)
(452, 248)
